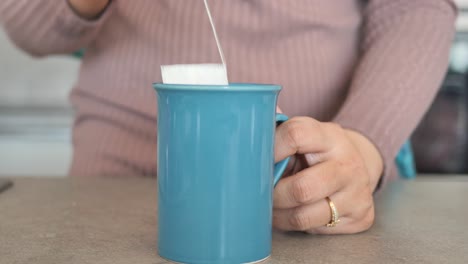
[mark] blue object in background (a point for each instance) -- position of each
(78, 54)
(405, 161)
(216, 172)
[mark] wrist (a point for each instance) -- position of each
(88, 9)
(371, 155)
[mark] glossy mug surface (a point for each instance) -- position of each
(216, 172)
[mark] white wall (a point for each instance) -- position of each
(35, 116)
(28, 81)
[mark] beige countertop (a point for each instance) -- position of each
(113, 220)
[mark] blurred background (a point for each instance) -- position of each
(36, 118)
(35, 115)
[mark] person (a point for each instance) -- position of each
(357, 77)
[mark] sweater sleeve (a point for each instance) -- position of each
(43, 27)
(404, 58)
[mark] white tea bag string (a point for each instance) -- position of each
(198, 74)
(220, 49)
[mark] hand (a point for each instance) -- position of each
(342, 165)
(88, 9)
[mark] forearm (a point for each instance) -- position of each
(48, 26)
(405, 56)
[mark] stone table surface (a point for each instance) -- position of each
(113, 220)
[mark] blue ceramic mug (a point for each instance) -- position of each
(216, 171)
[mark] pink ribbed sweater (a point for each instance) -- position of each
(372, 66)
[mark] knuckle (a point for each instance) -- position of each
(340, 138)
(312, 122)
(368, 220)
(364, 203)
(299, 220)
(301, 191)
(365, 207)
(294, 132)
(316, 126)
(334, 129)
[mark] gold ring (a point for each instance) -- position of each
(335, 216)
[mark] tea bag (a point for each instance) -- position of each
(207, 74)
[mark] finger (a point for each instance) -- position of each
(310, 216)
(347, 225)
(301, 135)
(308, 186)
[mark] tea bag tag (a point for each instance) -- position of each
(207, 74)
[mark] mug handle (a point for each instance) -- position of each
(281, 165)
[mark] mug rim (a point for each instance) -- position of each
(234, 87)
